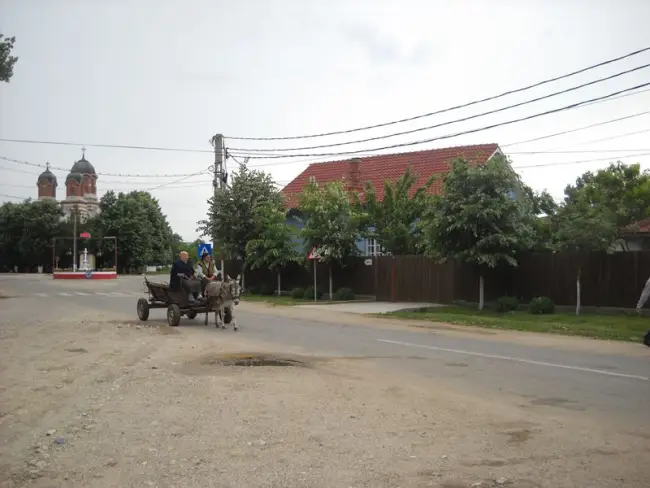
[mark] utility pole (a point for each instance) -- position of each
(75, 212)
(218, 182)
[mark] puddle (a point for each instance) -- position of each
(77, 350)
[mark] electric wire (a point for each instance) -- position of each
(469, 104)
(444, 124)
(449, 136)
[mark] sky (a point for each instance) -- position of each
(171, 74)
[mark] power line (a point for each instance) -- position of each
(449, 136)
(109, 146)
(620, 136)
(311, 159)
(123, 175)
(12, 196)
(598, 124)
(579, 151)
(543, 165)
(408, 119)
(443, 124)
(204, 171)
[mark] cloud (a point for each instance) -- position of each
(380, 48)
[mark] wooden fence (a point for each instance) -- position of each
(607, 280)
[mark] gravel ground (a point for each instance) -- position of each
(99, 401)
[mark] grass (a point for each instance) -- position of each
(609, 327)
(278, 300)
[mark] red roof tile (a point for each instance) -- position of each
(389, 167)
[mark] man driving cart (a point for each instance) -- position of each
(183, 276)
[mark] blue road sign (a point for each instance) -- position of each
(205, 247)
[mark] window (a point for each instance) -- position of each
(373, 248)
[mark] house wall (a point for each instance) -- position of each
(295, 221)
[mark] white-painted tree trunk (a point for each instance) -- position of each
(481, 294)
(578, 293)
(279, 283)
(331, 287)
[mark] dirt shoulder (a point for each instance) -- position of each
(97, 400)
(517, 337)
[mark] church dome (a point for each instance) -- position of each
(83, 166)
(47, 176)
(74, 176)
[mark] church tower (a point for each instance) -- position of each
(47, 184)
(81, 189)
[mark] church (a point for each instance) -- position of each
(80, 189)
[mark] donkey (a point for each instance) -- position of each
(222, 296)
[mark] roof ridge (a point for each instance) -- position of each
(404, 153)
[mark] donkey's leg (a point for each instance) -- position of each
(222, 315)
(234, 320)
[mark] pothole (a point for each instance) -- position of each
(251, 360)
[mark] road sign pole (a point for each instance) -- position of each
(315, 290)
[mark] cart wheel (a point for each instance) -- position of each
(143, 309)
(191, 314)
(174, 315)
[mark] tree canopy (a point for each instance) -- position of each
(332, 221)
(477, 220)
(143, 232)
(26, 232)
(621, 188)
(392, 220)
(231, 212)
(7, 61)
(275, 244)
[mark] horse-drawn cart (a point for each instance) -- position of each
(176, 303)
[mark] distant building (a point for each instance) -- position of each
(80, 185)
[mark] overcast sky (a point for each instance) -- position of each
(173, 73)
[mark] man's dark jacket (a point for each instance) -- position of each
(180, 267)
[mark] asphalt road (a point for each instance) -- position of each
(616, 386)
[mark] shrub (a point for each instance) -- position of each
(309, 293)
(267, 289)
(343, 294)
(298, 293)
(507, 304)
(541, 305)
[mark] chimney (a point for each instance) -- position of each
(355, 174)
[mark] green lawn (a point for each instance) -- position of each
(611, 327)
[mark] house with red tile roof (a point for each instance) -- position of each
(635, 237)
(356, 172)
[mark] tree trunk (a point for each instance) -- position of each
(331, 294)
(279, 282)
(578, 292)
(481, 289)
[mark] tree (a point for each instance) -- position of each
(7, 61)
(231, 212)
(477, 220)
(26, 232)
(541, 208)
(580, 228)
(623, 189)
(392, 220)
(144, 235)
(275, 247)
(333, 222)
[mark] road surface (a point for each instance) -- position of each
(594, 381)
